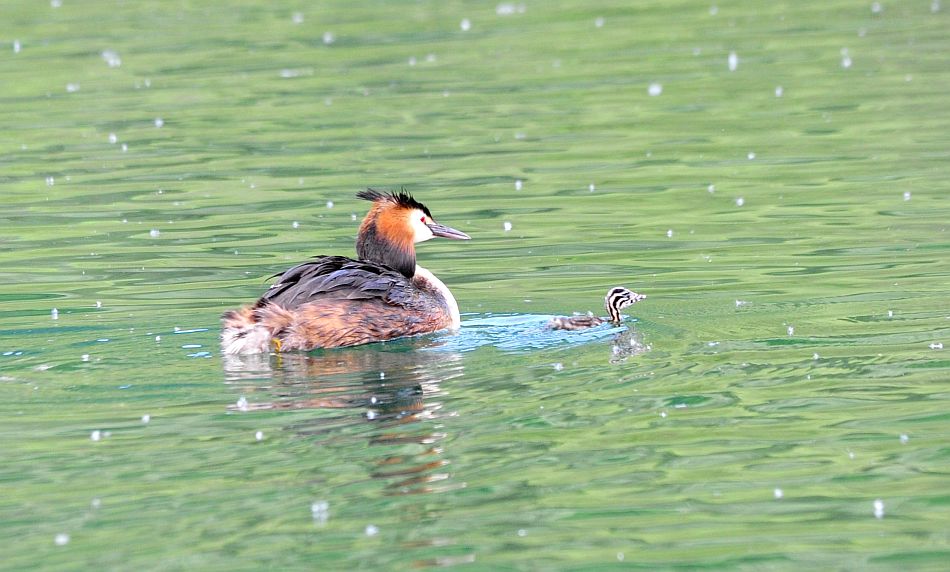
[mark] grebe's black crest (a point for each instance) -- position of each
(401, 198)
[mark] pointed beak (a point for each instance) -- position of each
(447, 232)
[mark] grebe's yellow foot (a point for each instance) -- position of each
(617, 299)
(277, 344)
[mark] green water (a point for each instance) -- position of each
(787, 220)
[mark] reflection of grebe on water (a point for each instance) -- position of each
(394, 387)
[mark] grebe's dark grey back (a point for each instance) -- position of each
(617, 299)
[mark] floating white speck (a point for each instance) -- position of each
(96, 435)
(371, 530)
(791, 330)
(845, 58)
(519, 184)
(96, 503)
(371, 415)
(522, 532)
(506, 225)
(815, 356)
(890, 313)
(158, 338)
(297, 18)
(430, 58)
(56, 3)
(112, 59)
(740, 303)
(680, 406)
(61, 539)
(733, 61)
(16, 46)
(904, 438)
(591, 187)
(382, 375)
(906, 195)
(259, 435)
(352, 216)
(125, 147)
(113, 138)
(669, 233)
(84, 357)
(750, 155)
(878, 508)
(159, 122)
(599, 22)
(777, 493)
(295, 224)
(663, 414)
(711, 189)
(328, 38)
(558, 366)
(655, 89)
(465, 25)
(154, 233)
(50, 181)
(779, 91)
(713, 10)
(54, 314)
(320, 510)
(412, 60)
(242, 403)
(740, 201)
(72, 87)
(936, 346)
(146, 418)
(329, 204)
(876, 8)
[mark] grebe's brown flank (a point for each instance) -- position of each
(335, 301)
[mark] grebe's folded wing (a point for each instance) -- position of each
(339, 277)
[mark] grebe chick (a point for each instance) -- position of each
(335, 301)
(617, 299)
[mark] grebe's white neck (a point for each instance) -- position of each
(453, 306)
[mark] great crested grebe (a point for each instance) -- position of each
(335, 301)
(617, 299)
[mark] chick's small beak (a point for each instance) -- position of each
(446, 232)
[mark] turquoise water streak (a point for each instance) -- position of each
(771, 175)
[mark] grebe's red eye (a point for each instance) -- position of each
(423, 219)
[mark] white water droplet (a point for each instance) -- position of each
(663, 414)
(906, 195)
(328, 38)
(61, 539)
(320, 510)
(890, 313)
(599, 22)
(297, 18)
(98, 303)
(558, 366)
(733, 61)
(876, 8)
(591, 187)
(50, 181)
(936, 346)
(84, 357)
(791, 330)
(371, 530)
(711, 189)
(242, 403)
(295, 224)
(779, 91)
(159, 122)
(669, 233)
(72, 87)
(146, 418)
(158, 338)
(904, 438)
(655, 89)
(750, 156)
(740, 201)
(96, 435)
(465, 25)
(878, 508)
(522, 532)
(507, 226)
(112, 59)
(329, 204)
(259, 435)
(16, 46)
(845, 58)
(713, 10)
(777, 493)
(54, 314)
(518, 184)
(815, 356)
(154, 233)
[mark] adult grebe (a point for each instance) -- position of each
(336, 301)
(617, 299)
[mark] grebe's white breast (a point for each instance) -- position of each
(434, 283)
